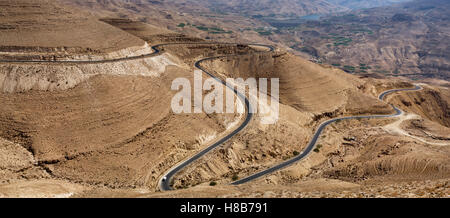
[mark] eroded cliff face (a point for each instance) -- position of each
(70, 53)
(430, 103)
(107, 128)
(51, 77)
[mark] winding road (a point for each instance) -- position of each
(165, 181)
(156, 51)
(319, 131)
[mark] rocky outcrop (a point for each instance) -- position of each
(50, 77)
(431, 104)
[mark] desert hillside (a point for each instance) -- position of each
(39, 29)
(86, 112)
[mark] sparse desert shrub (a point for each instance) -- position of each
(213, 183)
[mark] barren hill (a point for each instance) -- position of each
(42, 27)
(107, 129)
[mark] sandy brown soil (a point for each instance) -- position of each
(311, 189)
(301, 111)
(170, 14)
(426, 128)
(360, 160)
(148, 32)
(432, 103)
(41, 26)
(81, 132)
(302, 83)
(107, 130)
(53, 113)
(60, 77)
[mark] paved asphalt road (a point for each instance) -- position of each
(156, 51)
(164, 184)
(165, 181)
(313, 142)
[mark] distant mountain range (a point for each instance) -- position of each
(290, 8)
(359, 4)
(247, 8)
(283, 8)
(409, 39)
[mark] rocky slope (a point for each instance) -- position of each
(302, 108)
(37, 29)
(108, 130)
(432, 103)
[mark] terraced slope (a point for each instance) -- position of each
(303, 85)
(43, 28)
